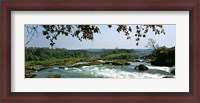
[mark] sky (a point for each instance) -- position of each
(107, 39)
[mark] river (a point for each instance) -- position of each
(107, 71)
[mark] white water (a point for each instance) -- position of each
(109, 71)
(117, 73)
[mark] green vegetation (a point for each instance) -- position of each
(121, 56)
(162, 56)
(49, 57)
(42, 54)
(52, 55)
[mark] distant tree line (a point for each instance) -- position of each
(42, 54)
(119, 54)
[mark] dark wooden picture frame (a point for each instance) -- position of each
(193, 96)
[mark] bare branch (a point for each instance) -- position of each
(32, 32)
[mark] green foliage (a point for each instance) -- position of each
(108, 52)
(86, 32)
(49, 62)
(43, 54)
(164, 57)
(142, 30)
(121, 56)
(80, 31)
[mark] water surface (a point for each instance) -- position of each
(106, 71)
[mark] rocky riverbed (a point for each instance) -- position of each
(104, 69)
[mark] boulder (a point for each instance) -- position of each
(61, 67)
(117, 63)
(54, 76)
(120, 62)
(173, 71)
(142, 67)
(127, 63)
(108, 62)
(168, 77)
(30, 75)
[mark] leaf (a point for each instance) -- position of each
(96, 30)
(109, 26)
(118, 30)
(137, 27)
(128, 37)
(55, 37)
(77, 32)
(44, 26)
(138, 31)
(137, 44)
(126, 33)
(130, 29)
(66, 34)
(45, 32)
(137, 39)
(52, 44)
(47, 37)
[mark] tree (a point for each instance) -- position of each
(164, 56)
(152, 44)
(86, 32)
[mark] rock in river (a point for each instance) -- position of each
(61, 67)
(172, 71)
(141, 67)
(54, 76)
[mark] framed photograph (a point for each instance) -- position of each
(141, 51)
